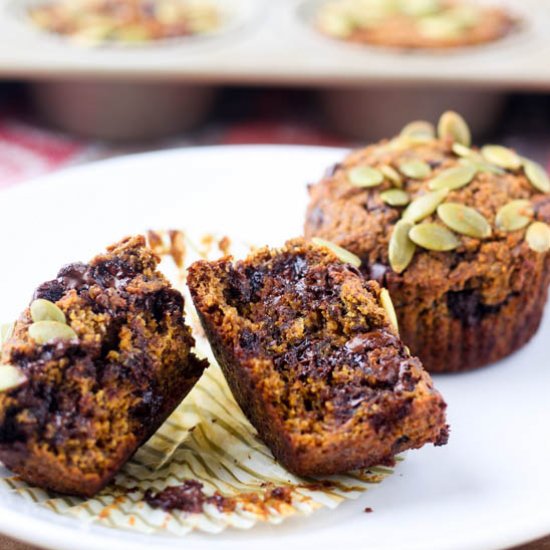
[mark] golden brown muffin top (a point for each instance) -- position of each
(435, 24)
(432, 208)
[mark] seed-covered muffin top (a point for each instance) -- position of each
(413, 23)
(95, 22)
(426, 206)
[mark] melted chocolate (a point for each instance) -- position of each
(467, 306)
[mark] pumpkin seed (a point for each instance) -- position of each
(439, 27)
(365, 176)
(537, 175)
(418, 128)
(538, 237)
(416, 169)
(514, 215)
(452, 125)
(395, 197)
(387, 304)
(464, 220)
(6, 332)
(480, 165)
(433, 236)
(501, 156)
(44, 310)
(453, 178)
(401, 248)
(341, 253)
(10, 377)
(335, 25)
(424, 206)
(419, 8)
(391, 174)
(465, 152)
(46, 331)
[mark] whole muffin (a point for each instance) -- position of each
(413, 24)
(458, 235)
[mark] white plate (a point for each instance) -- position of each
(488, 488)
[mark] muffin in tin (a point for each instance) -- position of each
(459, 236)
(412, 24)
(97, 22)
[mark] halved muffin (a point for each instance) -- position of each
(312, 356)
(102, 357)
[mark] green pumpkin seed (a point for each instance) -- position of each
(401, 248)
(44, 310)
(416, 169)
(10, 377)
(538, 237)
(537, 175)
(453, 178)
(365, 176)
(387, 304)
(480, 165)
(452, 125)
(391, 174)
(336, 25)
(439, 27)
(464, 220)
(342, 254)
(501, 156)
(424, 206)
(418, 128)
(419, 8)
(6, 332)
(433, 236)
(515, 215)
(465, 152)
(395, 197)
(47, 331)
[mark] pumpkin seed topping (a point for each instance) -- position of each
(538, 237)
(43, 332)
(481, 165)
(416, 169)
(537, 175)
(10, 377)
(391, 174)
(424, 206)
(343, 255)
(44, 310)
(418, 128)
(433, 236)
(6, 332)
(501, 156)
(453, 178)
(452, 125)
(395, 197)
(365, 176)
(514, 215)
(401, 248)
(387, 304)
(465, 152)
(464, 220)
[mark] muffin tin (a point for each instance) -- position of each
(274, 43)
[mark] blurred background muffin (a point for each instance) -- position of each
(414, 23)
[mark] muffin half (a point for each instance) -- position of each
(94, 366)
(458, 235)
(312, 357)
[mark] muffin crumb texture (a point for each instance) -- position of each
(313, 359)
(106, 357)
